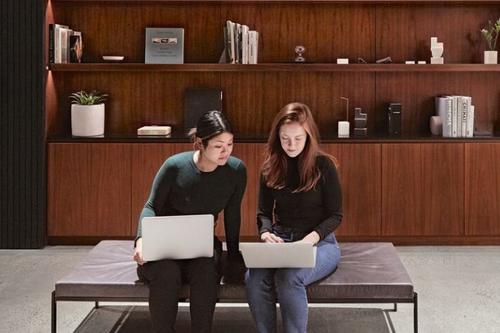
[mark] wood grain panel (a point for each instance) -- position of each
(339, 31)
(146, 161)
(110, 201)
(359, 167)
(403, 31)
(135, 99)
(252, 100)
(89, 190)
(482, 189)
(68, 188)
(416, 92)
(119, 28)
(422, 189)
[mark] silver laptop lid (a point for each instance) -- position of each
(278, 255)
(177, 237)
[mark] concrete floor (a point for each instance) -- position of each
(459, 290)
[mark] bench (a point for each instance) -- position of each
(367, 273)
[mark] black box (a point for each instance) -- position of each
(394, 118)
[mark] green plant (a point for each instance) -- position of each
(88, 98)
(490, 34)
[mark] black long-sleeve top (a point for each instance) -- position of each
(180, 188)
(319, 209)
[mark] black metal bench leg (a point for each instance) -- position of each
(53, 323)
(415, 312)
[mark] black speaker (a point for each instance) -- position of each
(394, 119)
(198, 101)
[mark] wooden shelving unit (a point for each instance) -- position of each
(415, 189)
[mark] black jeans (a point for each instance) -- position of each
(165, 278)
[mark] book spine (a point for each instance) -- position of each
(454, 117)
(447, 121)
(465, 114)
(470, 122)
(51, 43)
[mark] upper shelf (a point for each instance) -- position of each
(270, 67)
(295, 1)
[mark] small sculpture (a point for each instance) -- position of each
(360, 123)
(343, 126)
(437, 51)
(299, 50)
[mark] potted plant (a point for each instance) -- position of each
(490, 34)
(87, 113)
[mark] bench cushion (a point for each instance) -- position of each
(366, 271)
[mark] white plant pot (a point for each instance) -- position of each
(490, 57)
(87, 120)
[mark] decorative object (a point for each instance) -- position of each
(87, 113)
(436, 125)
(410, 62)
(421, 62)
(362, 61)
(394, 119)
(490, 34)
(343, 126)
(299, 50)
(437, 49)
(342, 61)
(113, 58)
(360, 123)
(386, 60)
(164, 46)
(154, 130)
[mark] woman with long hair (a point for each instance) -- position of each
(300, 199)
(205, 181)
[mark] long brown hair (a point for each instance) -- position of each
(275, 165)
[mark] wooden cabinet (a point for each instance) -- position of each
(482, 189)
(437, 190)
(360, 177)
(89, 189)
(422, 189)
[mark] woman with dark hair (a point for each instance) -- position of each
(205, 181)
(300, 191)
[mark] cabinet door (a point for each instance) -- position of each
(359, 170)
(147, 158)
(422, 189)
(88, 189)
(482, 184)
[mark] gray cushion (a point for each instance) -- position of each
(366, 271)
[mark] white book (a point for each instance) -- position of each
(447, 121)
(470, 122)
(64, 40)
(244, 44)
(253, 45)
(231, 41)
(57, 42)
(454, 117)
(466, 102)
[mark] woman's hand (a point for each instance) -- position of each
(269, 237)
(312, 237)
(138, 252)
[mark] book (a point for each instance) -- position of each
(154, 130)
(253, 46)
(75, 47)
(55, 53)
(164, 46)
(198, 101)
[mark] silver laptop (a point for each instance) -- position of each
(177, 237)
(278, 255)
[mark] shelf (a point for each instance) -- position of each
(431, 2)
(262, 139)
(270, 67)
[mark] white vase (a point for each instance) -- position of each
(490, 57)
(87, 120)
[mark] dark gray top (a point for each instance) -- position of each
(180, 188)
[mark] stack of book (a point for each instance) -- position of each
(65, 45)
(241, 44)
(457, 115)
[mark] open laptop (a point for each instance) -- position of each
(278, 255)
(177, 237)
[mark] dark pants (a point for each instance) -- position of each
(165, 278)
